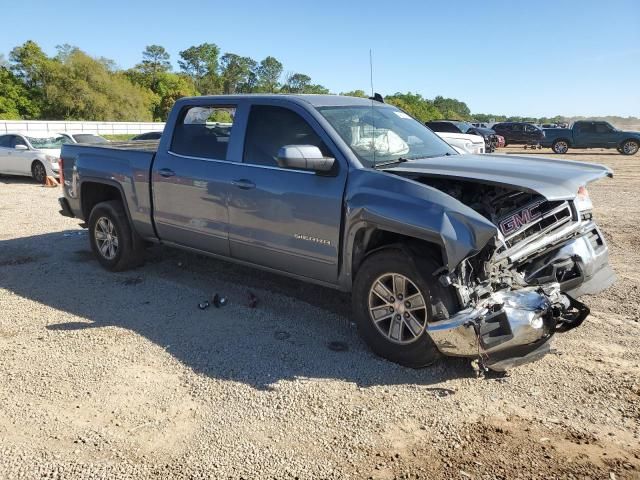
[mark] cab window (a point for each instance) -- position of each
(204, 132)
(271, 128)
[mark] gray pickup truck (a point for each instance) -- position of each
(474, 256)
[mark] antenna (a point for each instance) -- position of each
(373, 113)
(371, 69)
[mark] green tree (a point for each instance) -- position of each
(15, 100)
(169, 88)
(355, 93)
(452, 108)
(155, 60)
(268, 75)
(415, 105)
(83, 88)
(201, 64)
(238, 73)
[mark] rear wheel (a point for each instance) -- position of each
(630, 147)
(113, 242)
(395, 297)
(38, 171)
(560, 146)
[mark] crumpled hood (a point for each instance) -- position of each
(554, 179)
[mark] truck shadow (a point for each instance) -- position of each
(296, 330)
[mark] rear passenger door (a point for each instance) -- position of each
(191, 179)
(286, 219)
(584, 134)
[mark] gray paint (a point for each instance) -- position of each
(298, 222)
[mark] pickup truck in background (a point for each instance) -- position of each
(591, 134)
(475, 256)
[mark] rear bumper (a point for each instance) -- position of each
(65, 209)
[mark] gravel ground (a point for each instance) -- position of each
(121, 376)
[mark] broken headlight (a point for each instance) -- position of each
(583, 203)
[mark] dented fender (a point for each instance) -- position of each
(375, 199)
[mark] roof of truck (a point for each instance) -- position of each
(317, 100)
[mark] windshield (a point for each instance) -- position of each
(48, 142)
(383, 134)
(89, 138)
(463, 126)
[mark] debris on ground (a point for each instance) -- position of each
(219, 301)
(252, 300)
(338, 346)
(132, 281)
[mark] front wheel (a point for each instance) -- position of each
(630, 147)
(38, 172)
(113, 242)
(560, 146)
(394, 299)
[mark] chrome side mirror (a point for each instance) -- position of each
(304, 157)
(21, 147)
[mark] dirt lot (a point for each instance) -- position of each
(122, 376)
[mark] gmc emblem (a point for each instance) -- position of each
(517, 220)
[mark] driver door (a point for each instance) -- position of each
(283, 218)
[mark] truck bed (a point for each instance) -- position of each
(139, 145)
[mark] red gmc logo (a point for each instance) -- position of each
(515, 221)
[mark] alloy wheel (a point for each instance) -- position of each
(561, 147)
(630, 147)
(106, 238)
(397, 308)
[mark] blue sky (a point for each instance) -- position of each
(572, 57)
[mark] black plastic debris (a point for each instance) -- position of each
(204, 305)
(252, 300)
(281, 335)
(338, 346)
(219, 301)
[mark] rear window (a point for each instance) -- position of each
(204, 132)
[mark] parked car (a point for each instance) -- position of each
(467, 143)
(30, 155)
(477, 256)
(549, 125)
(148, 136)
(466, 128)
(500, 141)
(592, 134)
(520, 133)
(90, 138)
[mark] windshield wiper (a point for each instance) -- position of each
(393, 162)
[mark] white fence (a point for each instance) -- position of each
(56, 126)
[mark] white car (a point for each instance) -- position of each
(31, 155)
(87, 138)
(464, 141)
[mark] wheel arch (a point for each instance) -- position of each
(372, 239)
(94, 191)
(626, 139)
(561, 139)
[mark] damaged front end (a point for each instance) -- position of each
(522, 287)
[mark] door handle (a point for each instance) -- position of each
(166, 172)
(244, 184)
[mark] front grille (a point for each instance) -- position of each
(551, 216)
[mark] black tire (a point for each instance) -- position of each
(38, 172)
(439, 301)
(129, 251)
(629, 147)
(560, 146)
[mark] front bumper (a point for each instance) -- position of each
(512, 327)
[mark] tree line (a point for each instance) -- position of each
(72, 85)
